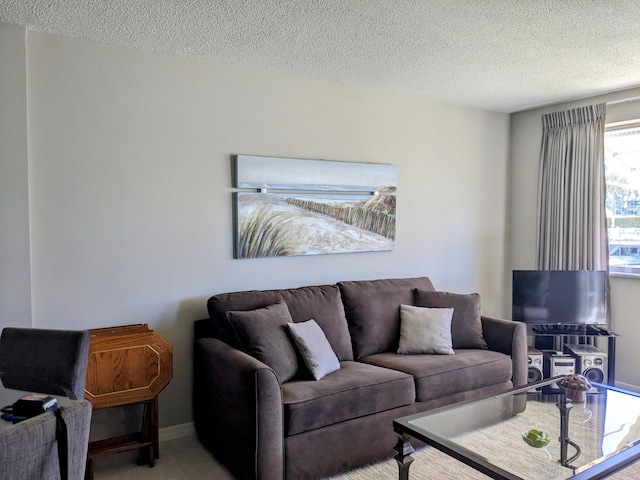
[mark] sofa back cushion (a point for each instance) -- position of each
(321, 303)
(466, 325)
(373, 311)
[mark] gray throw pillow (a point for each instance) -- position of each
(262, 333)
(314, 348)
(425, 330)
(466, 325)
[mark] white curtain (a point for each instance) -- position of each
(572, 228)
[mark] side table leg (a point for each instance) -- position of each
(147, 454)
(404, 458)
(88, 474)
(155, 438)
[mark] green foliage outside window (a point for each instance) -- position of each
(625, 222)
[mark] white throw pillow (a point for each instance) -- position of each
(425, 330)
(314, 348)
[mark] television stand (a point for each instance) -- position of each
(550, 337)
(591, 330)
(560, 329)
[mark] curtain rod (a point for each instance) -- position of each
(623, 100)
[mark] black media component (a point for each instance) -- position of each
(562, 299)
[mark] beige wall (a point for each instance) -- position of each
(15, 281)
(130, 188)
(526, 135)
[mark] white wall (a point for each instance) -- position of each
(526, 136)
(130, 188)
(15, 275)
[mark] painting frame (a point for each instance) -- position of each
(294, 207)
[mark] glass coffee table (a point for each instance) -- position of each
(586, 440)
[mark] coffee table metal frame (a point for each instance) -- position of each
(406, 431)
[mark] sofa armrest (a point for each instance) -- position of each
(510, 338)
(238, 410)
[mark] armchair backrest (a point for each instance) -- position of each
(44, 361)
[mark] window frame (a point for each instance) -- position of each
(620, 270)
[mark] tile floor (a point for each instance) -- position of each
(180, 459)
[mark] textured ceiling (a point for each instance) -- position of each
(503, 55)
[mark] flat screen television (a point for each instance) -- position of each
(559, 297)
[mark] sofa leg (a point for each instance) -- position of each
(404, 458)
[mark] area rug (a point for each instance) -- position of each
(431, 464)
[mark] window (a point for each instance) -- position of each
(622, 171)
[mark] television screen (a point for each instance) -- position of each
(559, 297)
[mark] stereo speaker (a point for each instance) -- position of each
(590, 362)
(557, 364)
(535, 361)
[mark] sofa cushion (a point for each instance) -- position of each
(322, 303)
(466, 325)
(356, 390)
(425, 330)
(373, 311)
(441, 375)
(262, 333)
(314, 348)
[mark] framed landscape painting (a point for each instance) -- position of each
(288, 207)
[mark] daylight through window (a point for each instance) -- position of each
(622, 170)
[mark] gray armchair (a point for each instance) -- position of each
(54, 444)
(28, 449)
(44, 361)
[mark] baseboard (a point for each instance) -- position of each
(177, 431)
(628, 386)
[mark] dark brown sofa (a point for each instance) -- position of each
(261, 428)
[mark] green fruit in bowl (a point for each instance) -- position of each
(536, 438)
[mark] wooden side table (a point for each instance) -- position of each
(128, 365)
